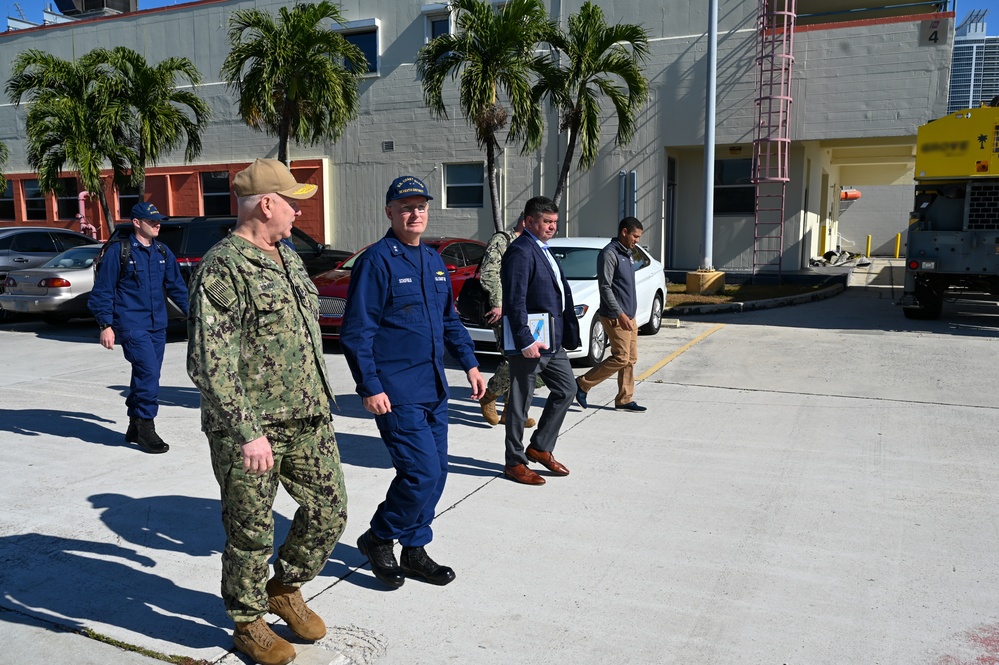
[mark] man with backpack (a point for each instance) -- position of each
(128, 300)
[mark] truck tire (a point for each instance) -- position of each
(930, 304)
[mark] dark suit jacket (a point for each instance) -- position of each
(529, 286)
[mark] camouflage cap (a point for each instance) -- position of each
(269, 176)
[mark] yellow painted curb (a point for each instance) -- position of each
(676, 354)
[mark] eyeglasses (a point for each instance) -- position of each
(409, 210)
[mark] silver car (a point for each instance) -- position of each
(57, 290)
(31, 246)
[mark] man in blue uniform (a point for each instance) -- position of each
(399, 319)
(129, 302)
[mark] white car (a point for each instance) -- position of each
(578, 260)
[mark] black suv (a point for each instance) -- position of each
(189, 238)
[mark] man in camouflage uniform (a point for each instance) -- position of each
(489, 276)
(256, 355)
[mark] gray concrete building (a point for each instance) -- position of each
(974, 74)
(863, 77)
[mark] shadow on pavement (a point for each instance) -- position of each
(362, 450)
(189, 398)
(174, 523)
(77, 584)
(67, 424)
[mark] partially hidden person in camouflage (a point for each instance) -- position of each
(489, 276)
(255, 353)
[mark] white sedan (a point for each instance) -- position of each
(578, 260)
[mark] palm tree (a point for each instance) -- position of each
(4, 156)
(77, 120)
(493, 51)
(597, 61)
(162, 113)
(295, 78)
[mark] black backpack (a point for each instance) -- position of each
(126, 253)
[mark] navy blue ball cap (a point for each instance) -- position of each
(404, 186)
(147, 210)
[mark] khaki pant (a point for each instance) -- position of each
(624, 355)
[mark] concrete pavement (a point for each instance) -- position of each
(812, 484)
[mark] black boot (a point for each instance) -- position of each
(382, 558)
(417, 563)
(147, 438)
(131, 435)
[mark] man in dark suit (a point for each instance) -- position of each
(533, 283)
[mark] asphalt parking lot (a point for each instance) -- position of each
(811, 484)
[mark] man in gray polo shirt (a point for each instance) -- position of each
(618, 305)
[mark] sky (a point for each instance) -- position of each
(964, 7)
(32, 9)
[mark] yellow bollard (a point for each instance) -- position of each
(898, 243)
(868, 253)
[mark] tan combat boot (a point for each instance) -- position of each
(258, 641)
(488, 404)
(530, 422)
(287, 603)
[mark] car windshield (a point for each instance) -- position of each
(577, 262)
(78, 257)
(349, 263)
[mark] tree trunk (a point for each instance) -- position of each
(142, 183)
(102, 197)
(563, 175)
(283, 131)
(493, 185)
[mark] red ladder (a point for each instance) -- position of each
(771, 139)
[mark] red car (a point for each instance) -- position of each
(461, 257)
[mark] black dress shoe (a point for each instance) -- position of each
(383, 563)
(630, 406)
(417, 563)
(581, 396)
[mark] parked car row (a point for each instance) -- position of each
(38, 279)
(59, 289)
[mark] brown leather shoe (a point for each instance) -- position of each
(287, 603)
(261, 644)
(547, 461)
(523, 475)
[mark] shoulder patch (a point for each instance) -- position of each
(220, 293)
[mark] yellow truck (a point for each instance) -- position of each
(953, 238)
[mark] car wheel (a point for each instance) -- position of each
(598, 343)
(656, 319)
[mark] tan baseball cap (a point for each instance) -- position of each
(269, 176)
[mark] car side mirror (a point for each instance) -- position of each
(451, 267)
(320, 248)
